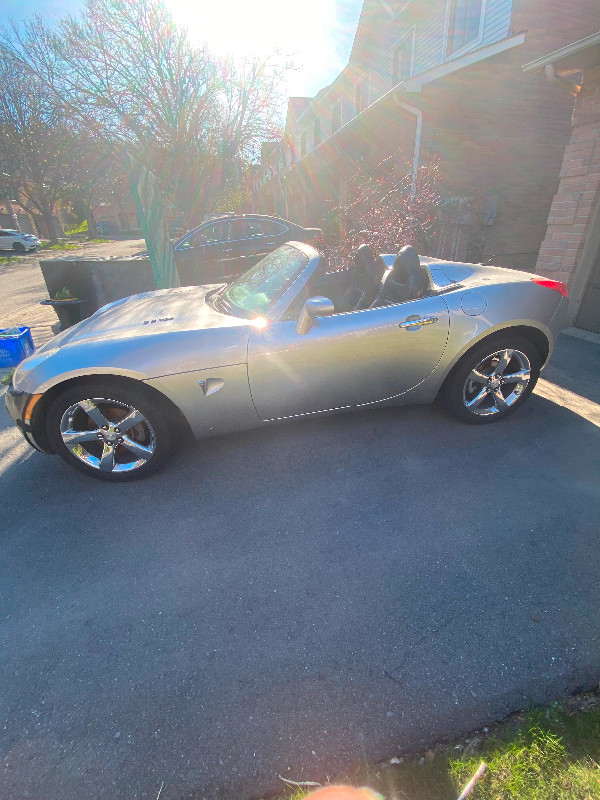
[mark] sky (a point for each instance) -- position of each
(316, 35)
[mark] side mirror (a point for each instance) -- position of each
(314, 307)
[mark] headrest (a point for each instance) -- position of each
(364, 258)
(407, 263)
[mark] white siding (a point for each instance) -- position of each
(379, 83)
(429, 41)
(347, 110)
(428, 53)
(325, 123)
(497, 20)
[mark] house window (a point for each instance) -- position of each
(317, 132)
(361, 95)
(336, 117)
(303, 145)
(464, 24)
(402, 61)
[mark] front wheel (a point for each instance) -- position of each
(492, 380)
(114, 433)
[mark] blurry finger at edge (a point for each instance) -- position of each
(344, 793)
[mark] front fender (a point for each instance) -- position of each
(140, 357)
(213, 401)
(37, 377)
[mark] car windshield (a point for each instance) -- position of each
(257, 290)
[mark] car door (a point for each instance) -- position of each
(232, 260)
(205, 256)
(345, 360)
(6, 240)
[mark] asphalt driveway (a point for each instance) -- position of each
(285, 601)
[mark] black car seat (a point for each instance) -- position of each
(365, 279)
(408, 278)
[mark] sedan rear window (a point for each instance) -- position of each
(273, 228)
(262, 227)
(208, 234)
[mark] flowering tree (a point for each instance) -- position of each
(389, 207)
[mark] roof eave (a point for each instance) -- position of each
(575, 57)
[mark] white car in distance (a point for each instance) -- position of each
(17, 241)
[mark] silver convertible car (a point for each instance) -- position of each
(287, 339)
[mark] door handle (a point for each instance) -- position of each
(416, 323)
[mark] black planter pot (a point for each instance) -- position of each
(69, 312)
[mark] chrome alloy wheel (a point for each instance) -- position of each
(496, 382)
(108, 435)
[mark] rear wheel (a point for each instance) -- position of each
(111, 432)
(492, 380)
(19, 247)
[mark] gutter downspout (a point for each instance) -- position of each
(419, 115)
(558, 80)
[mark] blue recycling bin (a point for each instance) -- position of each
(15, 347)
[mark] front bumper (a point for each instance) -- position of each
(16, 403)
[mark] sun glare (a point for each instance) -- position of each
(310, 34)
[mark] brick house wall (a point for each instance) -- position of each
(575, 206)
(578, 192)
(500, 134)
(500, 137)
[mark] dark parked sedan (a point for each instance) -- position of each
(226, 247)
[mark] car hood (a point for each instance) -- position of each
(148, 314)
(144, 336)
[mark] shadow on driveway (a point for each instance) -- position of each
(575, 366)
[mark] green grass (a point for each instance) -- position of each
(543, 754)
(60, 246)
(6, 379)
(7, 259)
(81, 228)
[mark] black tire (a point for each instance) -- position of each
(479, 402)
(152, 436)
(19, 247)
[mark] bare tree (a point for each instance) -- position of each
(34, 131)
(97, 172)
(126, 72)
